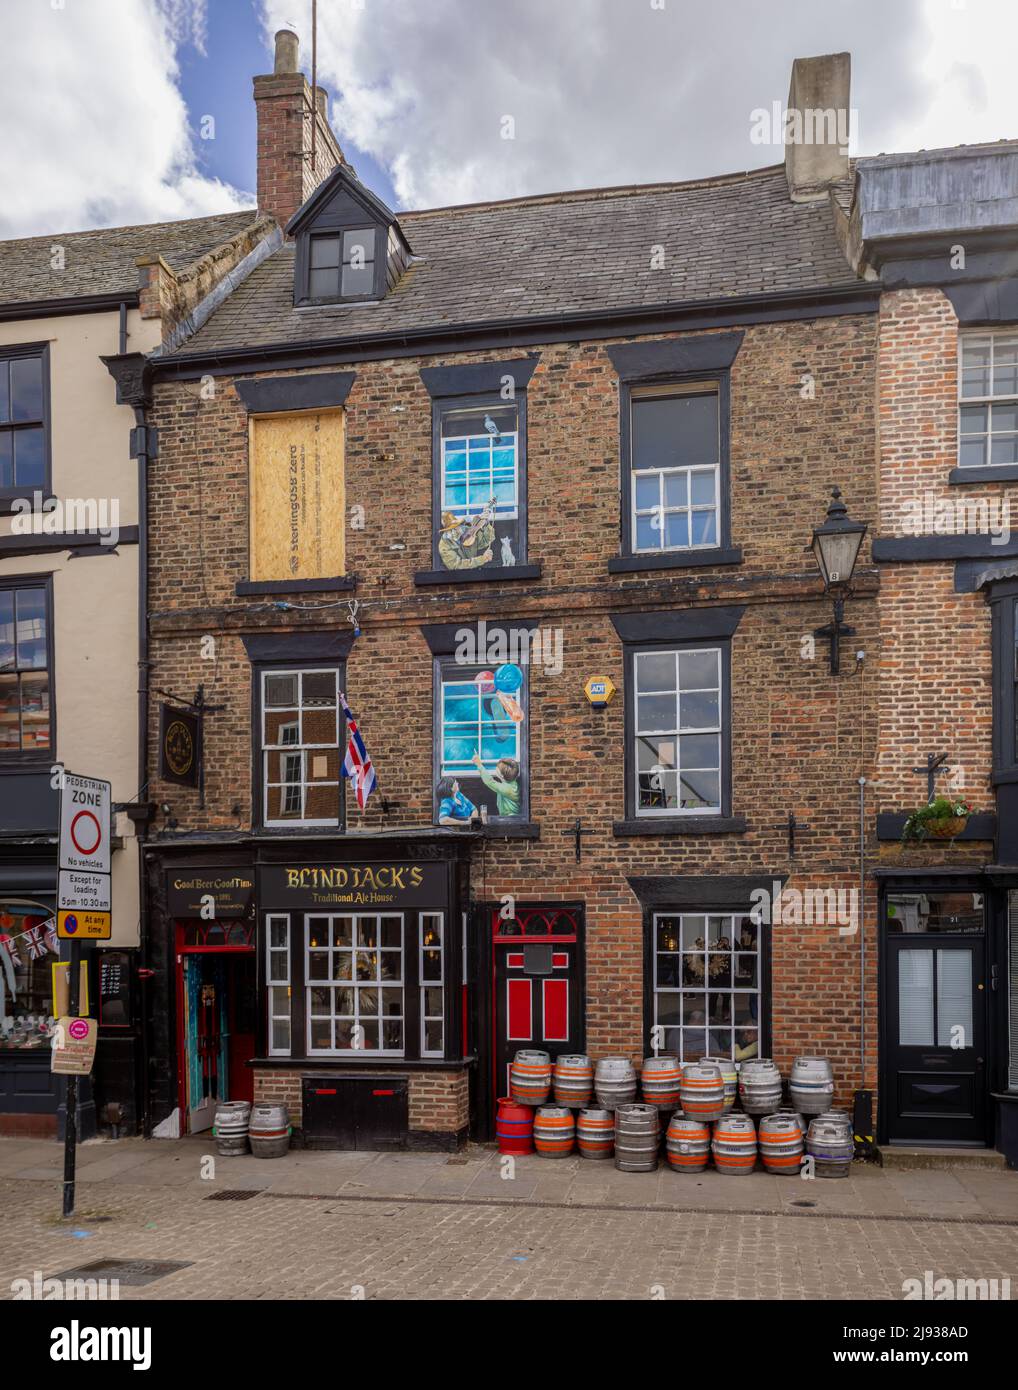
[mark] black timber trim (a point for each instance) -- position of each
(16, 493)
(972, 575)
(281, 647)
(680, 825)
(709, 892)
(490, 574)
(66, 540)
(69, 304)
(520, 332)
(668, 357)
(333, 1065)
(981, 826)
(918, 549)
(478, 378)
(343, 583)
(678, 625)
(1001, 473)
(984, 302)
(316, 391)
(676, 560)
(341, 176)
(443, 638)
(511, 830)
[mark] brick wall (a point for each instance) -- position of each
(285, 117)
(935, 669)
(801, 739)
(439, 1101)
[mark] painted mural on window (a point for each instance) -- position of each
(479, 488)
(481, 738)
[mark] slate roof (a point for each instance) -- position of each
(103, 261)
(526, 257)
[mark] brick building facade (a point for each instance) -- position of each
(386, 474)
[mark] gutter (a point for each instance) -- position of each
(69, 304)
(852, 297)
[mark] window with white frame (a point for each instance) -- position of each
(675, 468)
(277, 981)
(678, 731)
(432, 977)
(479, 493)
(988, 400)
(706, 985)
(354, 975)
(300, 725)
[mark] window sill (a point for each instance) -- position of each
(680, 825)
(1002, 473)
(632, 564)
(491, 574)
(11, 495)
(980, 826)
(512, 830)
(340, 584)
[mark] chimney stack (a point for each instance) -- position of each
(816, 131)
(285, 115)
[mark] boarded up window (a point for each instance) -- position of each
(297, 495)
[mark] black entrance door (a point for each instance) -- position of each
(537, 985)
(934, 1024)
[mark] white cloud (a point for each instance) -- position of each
(94, 126)
(629, 91)
(602, 91)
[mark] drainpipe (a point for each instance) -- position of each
(862, 933)
(131, 372)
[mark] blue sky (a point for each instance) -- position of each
(217, 82)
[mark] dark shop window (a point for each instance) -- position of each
(25, 666)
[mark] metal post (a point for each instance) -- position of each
(71, 1121)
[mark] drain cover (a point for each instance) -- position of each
(234, 1194)
(803, 1204)
(126, 1271)
(458, 1159)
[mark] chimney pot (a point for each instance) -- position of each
(322, 101)
(287, 51)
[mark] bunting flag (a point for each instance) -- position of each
(35, 943)
(357, 763)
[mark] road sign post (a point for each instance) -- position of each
(83, 913)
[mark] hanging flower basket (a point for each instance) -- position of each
(942, 819)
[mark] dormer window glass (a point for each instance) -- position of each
(343, 266)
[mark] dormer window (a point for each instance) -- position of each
(349, 246)
(343, 266)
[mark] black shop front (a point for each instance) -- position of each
(327, 974)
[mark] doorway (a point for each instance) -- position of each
(934, 1019)
(537, 985)
(216, 998)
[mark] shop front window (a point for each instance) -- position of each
(354, 974)
(28, 950)
(277, 977)
(432, 976)
(706, 984)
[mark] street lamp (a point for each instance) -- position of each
(836, 546)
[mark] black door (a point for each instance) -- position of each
(934, 1023)
(362, 1112)
(537, 985)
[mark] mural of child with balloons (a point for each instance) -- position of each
(481, 723)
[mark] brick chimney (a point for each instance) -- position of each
(816, 139)
(285, 115)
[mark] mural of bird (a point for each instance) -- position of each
(492, 428)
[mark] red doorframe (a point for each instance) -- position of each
(527, 922)
(182, 928)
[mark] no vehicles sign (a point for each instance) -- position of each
(85, 824)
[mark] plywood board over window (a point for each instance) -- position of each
(297, 495)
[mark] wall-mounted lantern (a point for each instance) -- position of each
(836, 546)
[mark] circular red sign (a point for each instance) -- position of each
(78, 1028)
(96, 832)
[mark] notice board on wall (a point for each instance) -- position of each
(297, 495)
(115, 989)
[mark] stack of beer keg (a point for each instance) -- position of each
(575, 1105)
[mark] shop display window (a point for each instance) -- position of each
(707, 985)
(29, 949)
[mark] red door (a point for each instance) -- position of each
(537, 985)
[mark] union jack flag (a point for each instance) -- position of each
(34, 943)
(357, 763)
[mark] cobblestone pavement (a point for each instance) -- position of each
(425, 1226)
